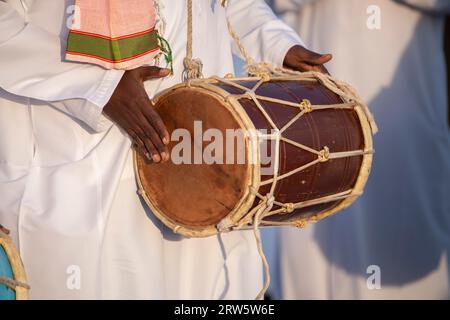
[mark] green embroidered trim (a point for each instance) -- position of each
(166, 51)
(110, 49)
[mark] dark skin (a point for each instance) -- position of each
(132, 110)
(301, 59)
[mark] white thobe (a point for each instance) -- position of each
(394, 241)
(67, 184)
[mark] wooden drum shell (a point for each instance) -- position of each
(340, 130)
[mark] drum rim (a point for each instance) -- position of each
(16, 265)
(245, 203)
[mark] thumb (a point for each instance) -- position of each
(153, 72)
(317, 59)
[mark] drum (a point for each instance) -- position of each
(12, 273)
(306, 141)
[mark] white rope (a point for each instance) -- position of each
(192, 67)
(256, 222)
(341, 88)
(13, 284)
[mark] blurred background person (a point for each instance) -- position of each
(447, 54)
(394, 242)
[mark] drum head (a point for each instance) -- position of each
(194, 194)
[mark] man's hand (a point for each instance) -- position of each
(301, 59)
(4, 230)
(131, 109)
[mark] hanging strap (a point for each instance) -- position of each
(192, 67)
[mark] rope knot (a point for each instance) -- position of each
(324, 155)
(193, 68)
(306, 106)
(225, 225)
(253, 190)
(289, 207)
(269, 201)
(301, 224)
(265, 77)
(259, 70)
(250, 95)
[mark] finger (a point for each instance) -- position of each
(155, 120)
(139, 144)
(316, 58)
(149, 145)
(304, 67)
(143, 152)
(156, 157)
(151, 134)
(152, 72)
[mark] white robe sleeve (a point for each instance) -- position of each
(282, 5)
(441, 7)
(32, 66)
(264, 36)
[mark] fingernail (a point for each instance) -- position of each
(149, 157)
(165, 140)
(165, 156)
(156, 158)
